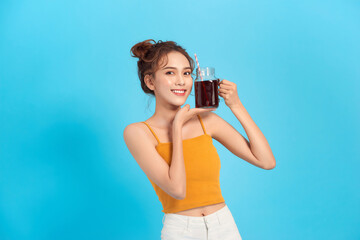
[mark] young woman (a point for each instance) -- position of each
(174, 146)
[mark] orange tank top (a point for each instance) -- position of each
(202, 166)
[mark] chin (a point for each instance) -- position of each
(178, 103)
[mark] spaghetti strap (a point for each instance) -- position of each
(202, 125)
(152, 132)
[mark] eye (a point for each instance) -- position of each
(188, 73)
(169, 72)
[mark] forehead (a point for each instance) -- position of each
(175, 59)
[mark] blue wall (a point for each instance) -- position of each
(68, 88)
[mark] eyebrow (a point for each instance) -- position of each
(175, 68)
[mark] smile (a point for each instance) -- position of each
(179, 92)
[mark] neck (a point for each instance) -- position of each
(164, 115)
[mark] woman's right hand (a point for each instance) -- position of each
(184, 114)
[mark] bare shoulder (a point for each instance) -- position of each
(209, 120)
(207, 116)
(134, 127)
(137, 130)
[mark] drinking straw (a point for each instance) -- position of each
(197, 63)
(202, 81)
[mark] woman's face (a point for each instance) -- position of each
(175, 75)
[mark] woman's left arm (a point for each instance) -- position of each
(257, 151)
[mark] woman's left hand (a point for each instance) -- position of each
(228, 92)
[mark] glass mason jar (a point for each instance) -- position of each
(206, 88)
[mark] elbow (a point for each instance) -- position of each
(270, 166)
(180, 195)
(177, 192)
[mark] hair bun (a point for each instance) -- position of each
(140, 49)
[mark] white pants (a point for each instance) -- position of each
(219, 225)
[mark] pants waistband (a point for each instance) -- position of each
(210, 220)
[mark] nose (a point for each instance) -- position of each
(180, 81)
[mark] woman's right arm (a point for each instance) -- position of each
(177, 167)
(171, 179)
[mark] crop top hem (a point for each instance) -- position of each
(196, 205)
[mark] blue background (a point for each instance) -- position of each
(69, 87)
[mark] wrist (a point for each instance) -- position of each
(177, 127)
(237, 105)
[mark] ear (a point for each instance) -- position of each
(149, 81)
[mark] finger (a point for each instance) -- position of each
(226, 82)
(223, 95)
(224, 90)
(187, 106)
(225, 86)
(206, 109)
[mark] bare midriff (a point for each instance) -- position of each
(202, 211)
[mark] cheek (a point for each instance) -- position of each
(191, 84)
(168, 82)
(165, 86)
(163, 83)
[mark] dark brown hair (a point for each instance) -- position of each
(150, 53)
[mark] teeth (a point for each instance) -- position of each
(178, 91)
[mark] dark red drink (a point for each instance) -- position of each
(206, 94)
